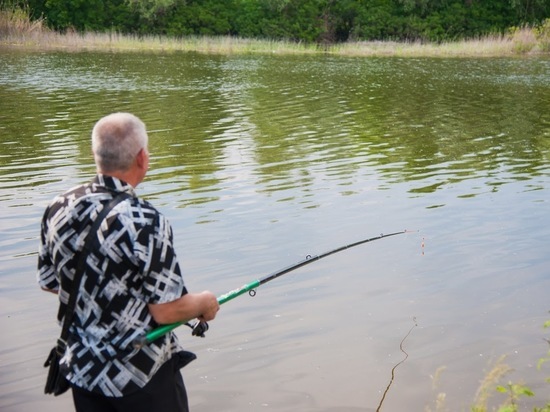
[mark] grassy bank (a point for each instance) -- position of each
(18, 31)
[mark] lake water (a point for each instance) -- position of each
(259, 161)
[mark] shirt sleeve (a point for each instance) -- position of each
(163, 280)
(46, 275)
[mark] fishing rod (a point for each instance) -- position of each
(251, 288)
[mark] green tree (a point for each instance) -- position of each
(531, 11)
(148, 8)
(207, 17)
(79, 14)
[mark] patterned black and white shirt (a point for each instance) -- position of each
(135, 265)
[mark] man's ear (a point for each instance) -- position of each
(141, 158)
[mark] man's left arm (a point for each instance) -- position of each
(46, 276)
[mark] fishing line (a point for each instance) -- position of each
(399, 363)
(251, 289)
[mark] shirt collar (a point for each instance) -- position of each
(113, 184)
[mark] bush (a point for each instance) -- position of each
(16, 21)
(543, 35)
(523, 39)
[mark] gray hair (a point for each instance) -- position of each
(116, 141)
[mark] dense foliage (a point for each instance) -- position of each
(325, 21)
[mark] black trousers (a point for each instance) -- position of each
(164, 393)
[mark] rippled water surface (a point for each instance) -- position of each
(259, 161)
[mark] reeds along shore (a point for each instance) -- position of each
(17, 30)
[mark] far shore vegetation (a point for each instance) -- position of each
(18, 30)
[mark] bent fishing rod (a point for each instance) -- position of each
(252, 286)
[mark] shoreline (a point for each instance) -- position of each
(522, 43)
(18, 31)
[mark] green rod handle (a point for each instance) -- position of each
(161, 330)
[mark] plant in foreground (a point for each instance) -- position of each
(514, 391)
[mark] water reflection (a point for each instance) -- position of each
(277, 118)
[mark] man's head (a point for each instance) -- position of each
(119, 144)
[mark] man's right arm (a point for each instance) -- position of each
(203, 306)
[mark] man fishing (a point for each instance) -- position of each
(130, 283)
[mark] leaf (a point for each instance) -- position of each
(525, 391)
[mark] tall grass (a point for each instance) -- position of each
(16, 25)
(18, 30)
(488, 384)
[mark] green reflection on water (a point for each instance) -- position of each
(280, 123)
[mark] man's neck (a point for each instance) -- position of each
(125, 176)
